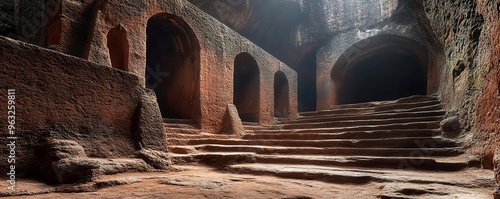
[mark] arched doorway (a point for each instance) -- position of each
(173, 66)
(389, 68)
(118, 47)
(246, 87)
(281, 95)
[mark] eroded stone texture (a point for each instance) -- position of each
(232, 122)
(391, 38)
(273, 25)
(451, 127)
(61, 25)
(62, 97)
(468, 31)
(7, 24)
(203, 80)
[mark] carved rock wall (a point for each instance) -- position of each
(469, 34)
(218, 48)
(106, 111)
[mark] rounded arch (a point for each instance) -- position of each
(118, 46)
(384, 67)
(173, 66)
(246, 87)
(281, 95)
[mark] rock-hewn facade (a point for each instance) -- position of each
(96, 77)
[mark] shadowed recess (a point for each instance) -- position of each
(173, 66)
(118, 48)
(386, 70)
(281, 95)
(246, 87)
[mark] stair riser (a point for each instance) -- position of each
(340, 179)
(347, 135)
(339, 112)
(387, 163)
(340, 152)
(406, 164)
(388, 127)
(387, 143)
(413, 100)
(367, 117)
(361, 122)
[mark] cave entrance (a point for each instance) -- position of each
(281, 95)
(383, 72)
(246, 87)
(173, 66)
(118, 48)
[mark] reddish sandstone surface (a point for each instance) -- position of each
(202, 182)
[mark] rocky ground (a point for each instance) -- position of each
(204, 182)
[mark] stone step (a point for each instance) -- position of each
(353, 123)
(179, 126)
(395, 108)
(346, 135)
(263, 127)
(200, 136)
(404, 163)
(169, 131)
(356, 176)
(331, 151)
(368, 116)
(411, 99)
(180, 123)
(413, 142)
(250, 123)
(412, 125)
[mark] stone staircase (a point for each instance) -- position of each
(354, 143)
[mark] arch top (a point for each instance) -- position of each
(376, 44)
(383, 67)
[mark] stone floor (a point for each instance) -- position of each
(196, 181)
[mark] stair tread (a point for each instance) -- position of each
(354, 175)
(365, 116)
(365, 111)
(331, 151)
(415, 98)
(350, 127)
(322, 140)
(346, 159)
(319, 148)
(347, 123)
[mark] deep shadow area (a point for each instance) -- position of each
(386, 74)
(246, 87)
(306, 73)
(173, 66)
(118, 48)
(281, 95)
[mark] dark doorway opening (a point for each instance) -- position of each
(118, 47)
(173, 66)
(387, 73)
(306, 71)
(246, 87)
(281, 95)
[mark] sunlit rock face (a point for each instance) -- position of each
(326, 17)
